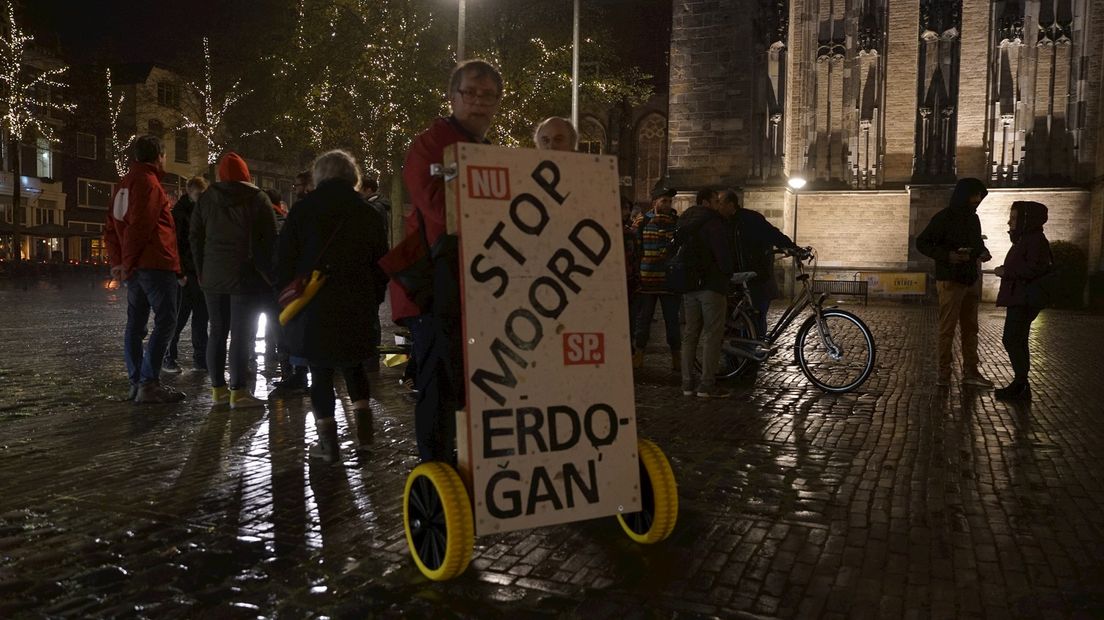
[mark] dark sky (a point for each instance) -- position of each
(170, 31)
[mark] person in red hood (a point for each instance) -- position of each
(475, 90)
(141, 244)
(233, 238)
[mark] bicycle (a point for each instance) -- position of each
(833, 347)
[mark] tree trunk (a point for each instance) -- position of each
(17, 183)
(398, 208)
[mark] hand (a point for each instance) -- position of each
(118, 272)
(999, 271)
(985, 258)
(959, 257)
(182, 280)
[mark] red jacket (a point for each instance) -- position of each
(427, 194)
(140, 231)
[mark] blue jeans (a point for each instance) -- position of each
(148, 289)
(646, 303)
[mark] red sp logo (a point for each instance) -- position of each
(584, 349)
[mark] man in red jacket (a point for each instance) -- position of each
(141, 244)
(475, 90)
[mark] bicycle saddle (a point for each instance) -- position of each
(742, 276)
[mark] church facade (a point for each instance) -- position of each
(881, 106)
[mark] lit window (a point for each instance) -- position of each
(592, 136)
(44, 159)
(651, 154)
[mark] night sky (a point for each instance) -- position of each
(169, 32)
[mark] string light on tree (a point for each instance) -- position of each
(119, 145)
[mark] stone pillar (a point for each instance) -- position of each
(902, 58)
(973, 89)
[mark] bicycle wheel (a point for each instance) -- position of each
(842, 360)
(731, 364)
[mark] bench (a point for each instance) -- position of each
(857, 288)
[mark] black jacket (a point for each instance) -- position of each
(334, 329)
(182, 215)
(955, 227)
(233, 239)
(714, 238)
(756, 239)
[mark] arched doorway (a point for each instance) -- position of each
(592, 136)
(651, 154)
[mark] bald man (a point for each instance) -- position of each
(556, 134)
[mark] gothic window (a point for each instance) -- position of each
(651, 153)
(592, 136)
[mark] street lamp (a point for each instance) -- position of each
(795, 183)
(460, 33)
(574, 67)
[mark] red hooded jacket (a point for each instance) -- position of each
(140, 231)
(427, 195)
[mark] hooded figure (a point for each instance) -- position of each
(1027, 260)
(233, 236)
(953, 239)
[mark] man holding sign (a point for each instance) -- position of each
(475, 90)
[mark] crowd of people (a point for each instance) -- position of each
(227, 252)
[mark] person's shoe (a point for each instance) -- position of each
(220, 396)
(714, 392)
(326, 450)
(171, 367)
(132, 393)
(676, 361)
(977, 381)
(1015, 391)
(687, 390)
(408, 385)
(296, 381)
(242, 399)
(153, 393)
(638, 358)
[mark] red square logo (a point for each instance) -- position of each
(488, 183)
(584, 349)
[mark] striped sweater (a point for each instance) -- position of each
(655, 232)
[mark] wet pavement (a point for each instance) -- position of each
(902, 500)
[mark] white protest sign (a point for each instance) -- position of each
(550, 429)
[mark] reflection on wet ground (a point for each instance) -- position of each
(902, 499)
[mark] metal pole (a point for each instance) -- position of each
(575, 68)
(460, 33)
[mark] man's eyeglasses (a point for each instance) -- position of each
(470, 96)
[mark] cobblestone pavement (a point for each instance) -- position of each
(903, 500)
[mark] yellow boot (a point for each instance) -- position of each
(638, 359)
(242, 399)
(220, 395)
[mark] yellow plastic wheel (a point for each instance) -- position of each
(658, 498)
(437, 516)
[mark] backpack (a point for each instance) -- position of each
(688, 261)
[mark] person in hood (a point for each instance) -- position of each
(140, 235)
(474, 91)
(335, 231)
(233, 235)
(1028, 259)
(953, 238)
(704, 233)
(192, 303)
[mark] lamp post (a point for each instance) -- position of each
(574, 67)
(795, 183)
(460, 33)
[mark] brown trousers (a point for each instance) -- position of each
(958, 306)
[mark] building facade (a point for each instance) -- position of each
(882, 106)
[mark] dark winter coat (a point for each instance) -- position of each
(1028, 258)
(756, 239)
(334, 330)
(182, 215)
(706, 230)
(233, 237)
(954, 228)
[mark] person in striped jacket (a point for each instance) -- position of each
(655, 230)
